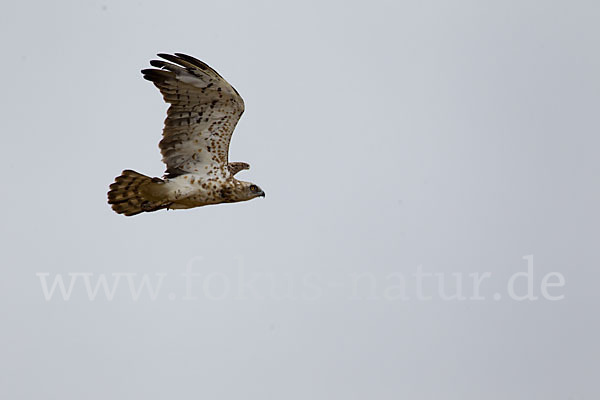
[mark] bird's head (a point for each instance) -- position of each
(254, 191)
(247, 191)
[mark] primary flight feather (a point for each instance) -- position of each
(204, 110)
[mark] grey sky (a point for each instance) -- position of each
(455, 136)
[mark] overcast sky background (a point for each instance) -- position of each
(456, 136)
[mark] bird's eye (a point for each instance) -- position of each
(253, 188)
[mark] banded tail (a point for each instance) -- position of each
(133, 193)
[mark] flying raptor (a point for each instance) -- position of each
(204, 110)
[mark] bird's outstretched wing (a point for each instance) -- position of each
(203, 114)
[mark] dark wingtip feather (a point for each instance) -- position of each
(192, 60)
(157, 63)
(156, 75)
(163, 65)
(172, 58)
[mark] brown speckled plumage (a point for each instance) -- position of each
(204, 110)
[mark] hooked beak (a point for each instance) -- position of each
(262, 194)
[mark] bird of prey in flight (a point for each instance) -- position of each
(204, 110)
